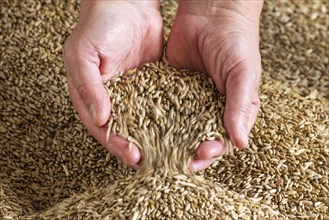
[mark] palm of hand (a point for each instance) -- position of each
(114, 41)
(227, 49)
(107, 41)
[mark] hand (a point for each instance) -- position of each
(110, 37)
(221, 38)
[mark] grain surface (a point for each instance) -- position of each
(51, 167)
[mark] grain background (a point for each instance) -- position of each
(47, 156)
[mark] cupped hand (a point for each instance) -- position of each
(221, 38)
(110, 37)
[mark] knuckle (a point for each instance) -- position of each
(87, 90)
(244, 111)
(237, 112)
(249, 76)
(243, 71)
(82, 90)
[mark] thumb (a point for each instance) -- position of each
(241, 86)
(87, 91)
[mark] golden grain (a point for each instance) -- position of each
(40, 133)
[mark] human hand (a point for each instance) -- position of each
(110, 37)
(221, 38)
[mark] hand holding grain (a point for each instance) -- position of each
(221, 38)
(110, 37)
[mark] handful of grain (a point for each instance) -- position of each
(47, 157)
(167, 114)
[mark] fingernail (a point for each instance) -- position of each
(92, 112)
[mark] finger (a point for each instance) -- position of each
(117, 146)
(210, 149)
(197, 165)
(241, 86)
(253, 112)
(84, 77)
(128, 153)
(207, 153)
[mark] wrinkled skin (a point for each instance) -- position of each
(222, 39)
(114, 36)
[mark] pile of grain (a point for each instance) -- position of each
(167, 113)
(50, 165)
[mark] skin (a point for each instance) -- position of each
(221, 39)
